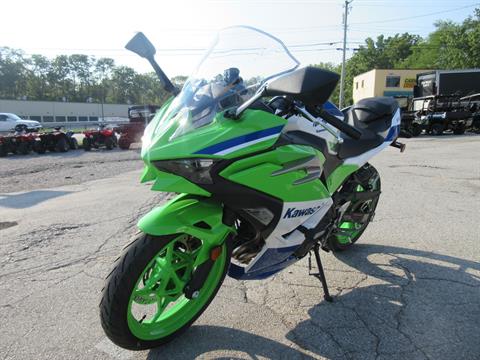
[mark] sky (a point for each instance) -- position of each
(179, 28)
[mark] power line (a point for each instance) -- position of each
(416, 16)
(326, 43)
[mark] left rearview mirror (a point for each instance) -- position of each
(141, 46)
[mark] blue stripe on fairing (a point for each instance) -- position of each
(393, 133)
(272, 261)
(332, 109)
(240, 140)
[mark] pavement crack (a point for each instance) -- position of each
(403, 300)
(243, 288)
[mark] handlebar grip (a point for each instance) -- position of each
(340, 125)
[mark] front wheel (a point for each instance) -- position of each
(438, 129)
(109, 143)
(87, 144)
(73, 143)
(460, 129)
(24, 148)
(416, 129)
(62, 145)
(143, 303)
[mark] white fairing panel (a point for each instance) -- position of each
(294, 214)
(309, 213)
(362, 159)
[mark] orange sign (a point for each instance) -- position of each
(409, 83)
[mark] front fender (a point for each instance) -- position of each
(186, 214)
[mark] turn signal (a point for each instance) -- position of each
(215, 253)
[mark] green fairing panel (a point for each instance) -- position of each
(339, 175)
(158, 145)
(182, 215)
(256, 172)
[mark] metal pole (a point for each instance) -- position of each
(342, 79)
(103, 99)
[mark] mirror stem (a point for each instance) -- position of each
(167, 84)
(246, 104)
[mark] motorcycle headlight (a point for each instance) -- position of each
(195, 170)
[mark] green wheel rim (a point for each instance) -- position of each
(157, 305)
(349, 226)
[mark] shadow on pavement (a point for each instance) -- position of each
(410, 304)
(28, 199)
(201, 340)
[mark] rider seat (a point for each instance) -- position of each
(373, 118)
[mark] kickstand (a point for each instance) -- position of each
(320, 275)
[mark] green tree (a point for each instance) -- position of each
(37, 79)
(13, 73)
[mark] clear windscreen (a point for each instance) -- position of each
(239, 61)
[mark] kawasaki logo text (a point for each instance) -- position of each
(293, 212)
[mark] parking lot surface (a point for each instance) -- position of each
(409, 289)
(30, 172)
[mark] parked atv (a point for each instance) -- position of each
(23, 140)
(56, 141)
(139, 116)
(4, 146)
(103, 136)
(8, 145)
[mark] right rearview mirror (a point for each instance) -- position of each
(310, 85)
(141, 46)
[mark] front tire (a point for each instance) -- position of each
(73, 143)
(459, 130)
(416, 129)
(109, 143)
(438, 129)
(150, 275)
(24, 148)
(3, 150)
(124, 143)
(62, 145)
(86, 144)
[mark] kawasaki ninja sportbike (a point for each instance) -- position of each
(267, 172)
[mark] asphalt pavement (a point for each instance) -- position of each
(409, 289)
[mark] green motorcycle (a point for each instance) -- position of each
(267, 172)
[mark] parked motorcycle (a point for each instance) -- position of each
(268, 172)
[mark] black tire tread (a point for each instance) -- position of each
(126, 270)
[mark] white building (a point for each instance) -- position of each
(65, 113)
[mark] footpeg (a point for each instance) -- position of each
(399, 145)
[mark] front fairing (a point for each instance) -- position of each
(235, 69)
(223, 138)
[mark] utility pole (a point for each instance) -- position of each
(342, 79)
